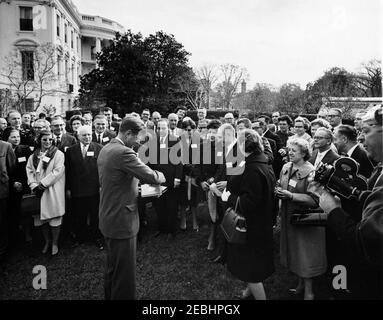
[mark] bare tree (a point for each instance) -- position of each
(36, 78)
(192, 89)
(369, 81)
(232, 76)
(207, 77)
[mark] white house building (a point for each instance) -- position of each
(74, 39)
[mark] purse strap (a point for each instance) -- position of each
(237, 204)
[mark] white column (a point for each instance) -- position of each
(98, 45)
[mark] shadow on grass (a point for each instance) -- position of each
(179, 269)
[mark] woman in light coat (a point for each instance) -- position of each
(46, 178)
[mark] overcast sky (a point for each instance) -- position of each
(278, 41)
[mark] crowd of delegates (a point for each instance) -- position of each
(57, 160)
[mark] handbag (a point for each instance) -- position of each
(233, 225)
(310, 217)
(30, 204)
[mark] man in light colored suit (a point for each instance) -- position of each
(120, 169)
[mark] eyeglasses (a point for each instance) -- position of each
(319, 138)
(332, 116)
(47, 139)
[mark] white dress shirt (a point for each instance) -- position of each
(319, 158)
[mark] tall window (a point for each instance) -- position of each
(27, 65)
(58, 65)
(66, 70)
(72, 73)
(26, 19)
(71, 39)
(29, 104)
(66, 33)
(58, 21)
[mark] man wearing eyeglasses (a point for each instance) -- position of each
(334, 116)
(62, 140)
(323, 152)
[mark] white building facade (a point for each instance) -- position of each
(74, 40)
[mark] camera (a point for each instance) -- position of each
(342, 178)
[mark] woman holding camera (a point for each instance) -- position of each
(46, 178)
(252, 262)
(303, 249)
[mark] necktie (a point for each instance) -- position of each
(58, 141)
(99, 138)
(84, 150)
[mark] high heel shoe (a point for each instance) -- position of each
(45, 249)
(296, 291)
(55, 250)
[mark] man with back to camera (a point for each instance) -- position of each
(120, 170)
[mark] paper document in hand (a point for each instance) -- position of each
(149, 190)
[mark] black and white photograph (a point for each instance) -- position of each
(200, 152)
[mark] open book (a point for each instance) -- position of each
(149, 190)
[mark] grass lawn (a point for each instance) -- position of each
(178, 269)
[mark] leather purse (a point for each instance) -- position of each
(30, 204)
(233, 225)
(310, 217)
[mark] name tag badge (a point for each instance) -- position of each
(22, 159)
(46, 159)
(229, 165)
(32, 148)
(193, 146)
(90, 154)
(292, 183)
(219, 154)
(65, 149)
(242, 163)
(106, 139)
(162, 145)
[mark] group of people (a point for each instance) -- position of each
(87, 172)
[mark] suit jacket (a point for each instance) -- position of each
(106, 138)
(270, 135)
(7, 166)
(22, 154)
(66, 141)
(171, 171)
(329, 158)
(119, 171)
(82, 173)
(365, 165)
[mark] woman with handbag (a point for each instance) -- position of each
(302, 248)
(252, 260)
(19, 187)
(46, 178)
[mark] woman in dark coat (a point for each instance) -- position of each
(19, 185)
(252, 262)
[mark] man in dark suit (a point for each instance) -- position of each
(82, 185)
(14, 121)
(119, 172)
(101, 135)
(7, 166)
(347, 145)
(322, 143)
(167, 205)
(62, 140)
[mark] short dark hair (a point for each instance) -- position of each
(41, 134)
(7, 132)
(267, 118)
(103, 109)
(42, 115)
(77, 113)
(187, 123)
(181, 108)
(131, 123)
(286, 118)
(246, 122)
(214, 124)
(348, 131)
(76, 117)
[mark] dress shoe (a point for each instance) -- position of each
(157, 234)
(244, 297)
(55, 250)
(100, 244)
(296, 291)
(45, 249)
(219, 259)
